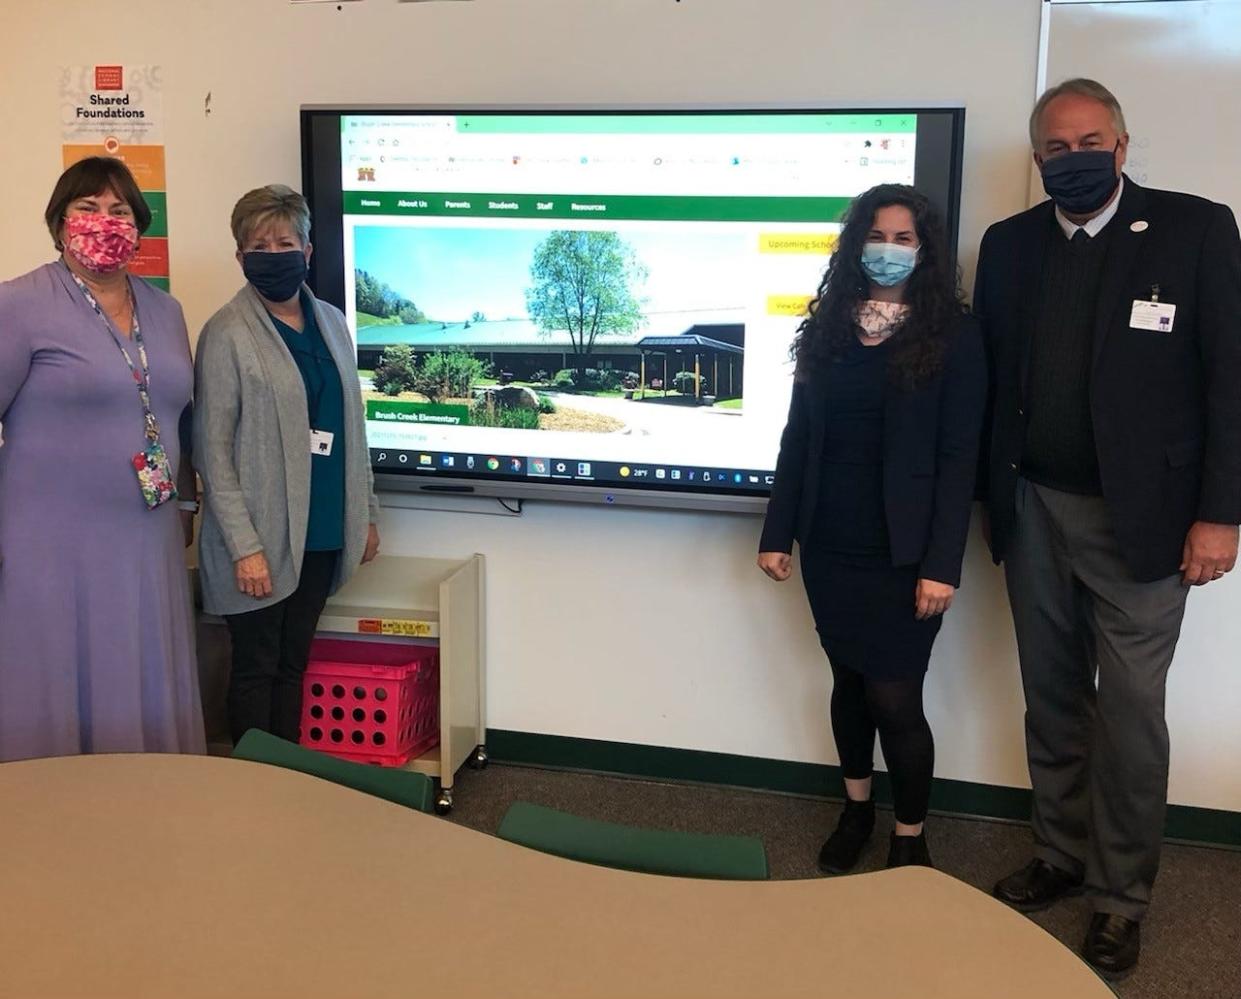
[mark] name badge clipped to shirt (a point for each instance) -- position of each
(1153, 315)
(321, 443)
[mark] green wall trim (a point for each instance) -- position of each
(1185, 822)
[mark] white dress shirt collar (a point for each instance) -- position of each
(1096, 224)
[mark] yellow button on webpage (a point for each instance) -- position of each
(814, 243)
(787, 305)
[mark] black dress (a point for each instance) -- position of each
(863, 606)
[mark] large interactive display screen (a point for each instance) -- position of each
(592, 304)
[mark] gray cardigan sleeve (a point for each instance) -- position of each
(217, 404)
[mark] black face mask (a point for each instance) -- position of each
(276, 276)
(1081, 182)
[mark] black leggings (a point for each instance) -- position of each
(271, 647)
(860, 707)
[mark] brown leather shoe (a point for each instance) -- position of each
(1112, 945)
(1036, 886)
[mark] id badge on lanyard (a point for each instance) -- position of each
(320, 440)
(155, 475)
(156, 479)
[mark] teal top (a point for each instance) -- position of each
(325, 403)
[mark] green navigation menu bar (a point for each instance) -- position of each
(597, 206)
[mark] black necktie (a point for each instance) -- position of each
(1080, 238)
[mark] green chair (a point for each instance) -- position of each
(401, 787)
(653, 851)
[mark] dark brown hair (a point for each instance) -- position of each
(932, 294)
(90, 177)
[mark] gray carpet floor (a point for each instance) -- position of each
(1191, 940)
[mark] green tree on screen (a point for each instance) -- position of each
(375, 298)
(583, 284)
(397, 370)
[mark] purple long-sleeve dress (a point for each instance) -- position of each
(96, 631)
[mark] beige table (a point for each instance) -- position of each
(186, 877)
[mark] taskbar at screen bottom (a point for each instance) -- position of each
(532, 468)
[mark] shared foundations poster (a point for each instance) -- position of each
(115, 110)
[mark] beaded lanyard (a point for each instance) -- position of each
(142, 375)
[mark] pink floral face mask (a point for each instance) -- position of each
(101, 243)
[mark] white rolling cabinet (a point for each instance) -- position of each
(428, 600)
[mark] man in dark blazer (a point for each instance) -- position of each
(1112, 317)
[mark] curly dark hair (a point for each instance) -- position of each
(933, 294)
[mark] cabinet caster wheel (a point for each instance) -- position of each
(480, 759)
(443, 803)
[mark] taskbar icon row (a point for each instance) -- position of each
(534, 467)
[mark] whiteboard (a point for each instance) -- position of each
(1175, 67)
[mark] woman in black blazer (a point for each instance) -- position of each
(875, 481)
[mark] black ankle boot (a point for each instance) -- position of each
(909, 851)
(843, 848)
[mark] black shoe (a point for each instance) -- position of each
(909, 851)
(1036, 886)
(1112, 945)
(843, 848)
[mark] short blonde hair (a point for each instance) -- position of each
(265, 205)
(1080, 87)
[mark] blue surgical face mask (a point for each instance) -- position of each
(888, 264)
(276, 276)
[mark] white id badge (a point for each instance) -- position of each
(1154, 316)
(321, 442)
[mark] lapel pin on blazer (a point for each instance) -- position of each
(1141, 225)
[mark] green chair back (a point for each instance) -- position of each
(653, 851)
(401, 787)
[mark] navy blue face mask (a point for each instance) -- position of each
(276, 276)
(1081, 182)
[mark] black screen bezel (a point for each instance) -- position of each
(938, 163)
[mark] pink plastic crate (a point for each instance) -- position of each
(371, 702)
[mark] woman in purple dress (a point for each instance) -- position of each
(96, 630)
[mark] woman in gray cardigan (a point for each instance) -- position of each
(289, 507)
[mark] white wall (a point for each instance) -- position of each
(637, 626)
